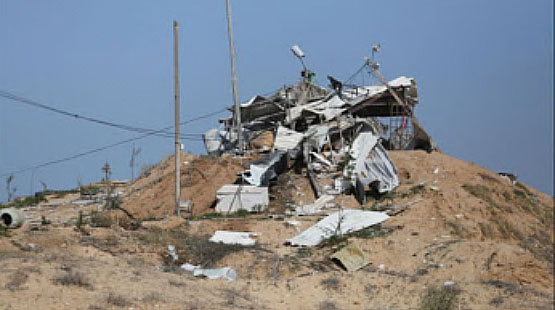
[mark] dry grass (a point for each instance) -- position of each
(152, 297)
(507, 230)
(73, 278)
(481, 192)
(487, 230)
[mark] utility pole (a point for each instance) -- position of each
(177, 142)
(107, 171)
(238, 125)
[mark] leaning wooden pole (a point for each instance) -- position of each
(177, 142)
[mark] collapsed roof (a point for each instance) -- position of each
(340, 136)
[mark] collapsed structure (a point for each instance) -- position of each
(341, 136)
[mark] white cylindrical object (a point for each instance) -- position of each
(11, 217)
(297, 51)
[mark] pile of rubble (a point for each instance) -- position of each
(341, 136)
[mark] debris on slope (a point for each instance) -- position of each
(337, 224)
(339, 137)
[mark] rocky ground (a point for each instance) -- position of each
(489, 240)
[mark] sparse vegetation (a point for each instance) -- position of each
(4, 232)
(507, 229)
(327, 305)
(100, 219)
(496, 301)
(456, 228)
(196, 250)
(176, 283)
(486, 230)
(73, 278)
(152, 297)
(331, 284)
(417, 189)
(304, 252)
(442, 298)
(16, 280)
(481, 192)
(489, 178)
(519, 193)
(117, 300)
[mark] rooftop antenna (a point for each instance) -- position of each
(375, 49)
(299, 53)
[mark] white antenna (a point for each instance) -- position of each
(299, 53)
(375, 49)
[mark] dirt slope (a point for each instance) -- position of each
(201, 177)
(465, 224)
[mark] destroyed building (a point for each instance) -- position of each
(341, 136)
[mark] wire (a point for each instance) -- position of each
(57, 161)
(162, 133)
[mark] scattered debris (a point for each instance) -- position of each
(511, 178)
(265, 169)
(227, 273)
(232, 198)
(339, 136)
(314, 208)
(338, 223)
(233, 237)
(351, 257)
(172, 252)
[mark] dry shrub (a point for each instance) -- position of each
(442, 298)
(16, 280)
(456, 228)
(152, 297)
(100, 219)
(73, 278)
(327, 305)
(332, 283)
(489, 178)
(481, 192)
(117, 300)
(193, 249)
(486, 230)
(507, 229)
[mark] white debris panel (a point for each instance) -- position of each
(266, 168)
(337, 223)
(233, 237)
(370, 163)
(314, 208)
(287, 139)
(232, 198)
(379, 167)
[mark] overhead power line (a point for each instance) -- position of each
(57, 161)
(161, 133)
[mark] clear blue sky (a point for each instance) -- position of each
(484, 71)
